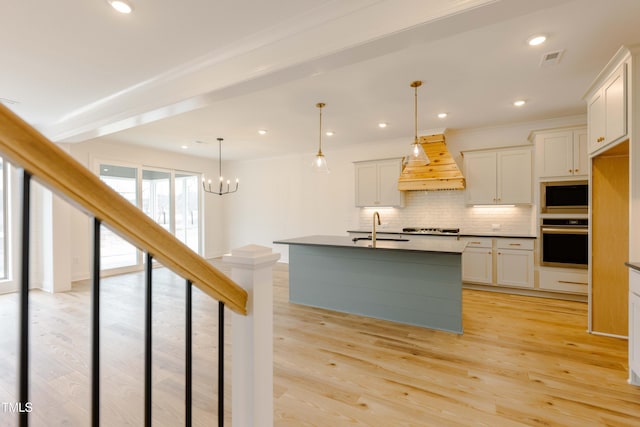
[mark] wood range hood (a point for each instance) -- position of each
(442, 173)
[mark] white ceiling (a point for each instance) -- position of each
(172, 73)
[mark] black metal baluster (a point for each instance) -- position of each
(95, 327)
(24, 301)
(147, 347)
(220, 364)
(188, 357)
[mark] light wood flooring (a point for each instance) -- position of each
(522, 361)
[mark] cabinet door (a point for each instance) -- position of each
(477, 265)
(515, 268)
(388, 174)
(557, 153)
(596, 121)
(514, 177)
(580, 152)
(615, 106)
(634, 333)
(480, 173)
(366, 184)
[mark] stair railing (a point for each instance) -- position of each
(44, 161)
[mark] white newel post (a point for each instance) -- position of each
(252, 338)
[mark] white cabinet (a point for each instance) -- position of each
(634, 326)
(569, 280)
(562, 153)
(498, 177)
(477, 261)
(377, 183)
(515, 262)
(607, 110)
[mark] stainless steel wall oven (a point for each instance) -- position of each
(564, 242)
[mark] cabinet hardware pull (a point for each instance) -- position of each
(575, 170)
(514, 244)
(475, 243)
(571, 283)
(570, 170)
(489, 252)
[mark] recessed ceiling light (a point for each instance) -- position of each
(121, 6)
(262, 131)
(329, 133)
(536, 40)
(184, 147)
(382, 125)
(519, 103)
(442, 115)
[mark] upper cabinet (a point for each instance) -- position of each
(377, 183)
(562, 153)
(498, 177)
(607, 110)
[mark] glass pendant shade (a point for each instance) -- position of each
(320, 163)
(417, 156)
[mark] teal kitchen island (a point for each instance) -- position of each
(413, 282)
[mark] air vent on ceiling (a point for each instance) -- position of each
(551, 58)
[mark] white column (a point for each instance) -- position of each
(252, 337)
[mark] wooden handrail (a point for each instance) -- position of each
(25, 147)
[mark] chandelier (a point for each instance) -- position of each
(221, 189)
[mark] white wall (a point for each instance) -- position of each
(281, 197)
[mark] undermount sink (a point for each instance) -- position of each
(397, 239)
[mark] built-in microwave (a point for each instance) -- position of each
(564, 197)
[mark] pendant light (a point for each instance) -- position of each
(320, 162)
(417, 156)
(220, 189)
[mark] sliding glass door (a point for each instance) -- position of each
(156, 196)
(115, 251)
(187, 203)
(170, 198)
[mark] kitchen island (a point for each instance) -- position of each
(413, 282)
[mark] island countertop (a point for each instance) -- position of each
(447, 246)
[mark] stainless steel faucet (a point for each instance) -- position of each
(373, 235)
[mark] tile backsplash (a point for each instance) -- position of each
(448, 209)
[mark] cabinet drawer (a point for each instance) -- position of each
(478, 242)
(564, 280)
(524, 244)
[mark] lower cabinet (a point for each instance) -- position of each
(512, 258)
(477, 261)
(515, 262)
(634, 327)
(570, 280)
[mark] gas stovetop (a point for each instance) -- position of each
(432, 230)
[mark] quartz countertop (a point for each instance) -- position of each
(462, 234)
(440, 245)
